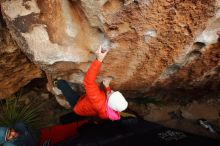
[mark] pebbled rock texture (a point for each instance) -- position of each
(156, 44)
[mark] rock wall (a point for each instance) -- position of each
(16, 70)
(156, 44)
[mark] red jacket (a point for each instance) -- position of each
(58, 133)
(93, 103)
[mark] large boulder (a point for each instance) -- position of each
(155, 44)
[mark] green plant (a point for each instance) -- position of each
(13, 112)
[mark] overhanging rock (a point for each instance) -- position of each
(153, 41)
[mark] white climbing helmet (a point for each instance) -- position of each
(117, 101)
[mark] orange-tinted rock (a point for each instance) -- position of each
(202, 72)
(161, 43)
(16, 70)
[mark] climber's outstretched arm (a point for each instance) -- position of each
(89, 82)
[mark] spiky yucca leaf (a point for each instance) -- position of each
(13, 112)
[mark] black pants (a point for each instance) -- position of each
(72, 97)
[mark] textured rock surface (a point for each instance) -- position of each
(164, 44)
(16, 70)
(184, 117)
(195, 110)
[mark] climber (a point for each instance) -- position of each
(105, 104)
(17, 136)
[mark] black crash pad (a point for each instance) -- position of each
(134, 132)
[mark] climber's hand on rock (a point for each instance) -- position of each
(106, 81)
(100, 55)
